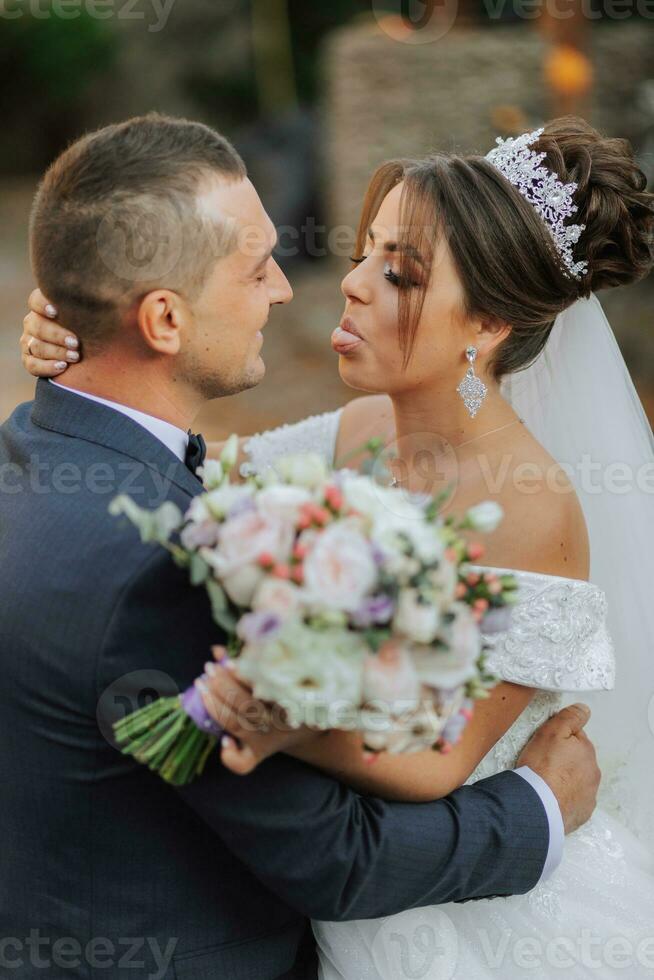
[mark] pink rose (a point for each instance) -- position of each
(340, 569)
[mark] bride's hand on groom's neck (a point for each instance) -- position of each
(47, 348)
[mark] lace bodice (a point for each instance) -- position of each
(558, 639)
(558, 642)
(316, 434)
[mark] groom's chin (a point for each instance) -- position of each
(257, 373)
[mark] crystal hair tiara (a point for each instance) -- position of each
(544, 191)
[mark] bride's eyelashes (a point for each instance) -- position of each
(397, 280)
(400, 282)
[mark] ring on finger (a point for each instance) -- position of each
(29, 346)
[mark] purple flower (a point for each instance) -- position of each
(256, 627)
(378, 554)
(496, 621)
(193, 705)
(374, 611)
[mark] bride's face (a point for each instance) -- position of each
(368, 343)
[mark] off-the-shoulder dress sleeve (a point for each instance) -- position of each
(558, 639)
(316, 434)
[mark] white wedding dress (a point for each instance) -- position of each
(594, 916)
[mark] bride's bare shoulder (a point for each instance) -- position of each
(363, 419)
(544, 530)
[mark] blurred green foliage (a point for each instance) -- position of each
(234, 88)
(48, 56)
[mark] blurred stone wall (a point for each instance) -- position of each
(386, 98)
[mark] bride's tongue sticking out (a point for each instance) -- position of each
(346, 338)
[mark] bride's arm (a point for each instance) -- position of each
(421, 776)
(415, 778)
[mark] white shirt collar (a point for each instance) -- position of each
(174, 438)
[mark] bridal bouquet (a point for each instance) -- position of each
(348, 604)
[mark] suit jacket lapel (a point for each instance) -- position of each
(63, 411)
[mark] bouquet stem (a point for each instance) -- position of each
(173, 737)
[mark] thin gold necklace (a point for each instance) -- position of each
(396, 483)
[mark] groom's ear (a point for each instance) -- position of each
(162, 318)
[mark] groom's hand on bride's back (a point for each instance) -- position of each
(561, 753)
(47, 348)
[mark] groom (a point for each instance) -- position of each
(106, 870)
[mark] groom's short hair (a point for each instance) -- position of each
(116, 215)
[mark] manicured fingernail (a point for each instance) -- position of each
(210, 669)
(201, 685)
(50, 311)
(72, 356)
(61, 365)
(72, 342)
(227, 742)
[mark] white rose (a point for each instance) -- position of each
(306, 671)
(243, 539)
(306, 470)
(418, 620)
(485, 517)
(339, 570)
(447, 669)
(390, 508)
(278, 596)
(390, 675)
(283, 501)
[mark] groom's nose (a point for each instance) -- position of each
(280, 288)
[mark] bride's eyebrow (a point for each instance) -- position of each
(405, 249)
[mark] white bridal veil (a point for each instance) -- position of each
(579, 401)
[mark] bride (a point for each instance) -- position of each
(471, 321)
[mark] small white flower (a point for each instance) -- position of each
(444, 581)
(220, 502)
(212, 473)
(485, 517)
(229, 455)
(417, 620)
(307, 470)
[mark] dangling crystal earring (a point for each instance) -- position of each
(472, 389)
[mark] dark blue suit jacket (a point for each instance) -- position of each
(104, 866)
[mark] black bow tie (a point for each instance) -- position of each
(196, 452)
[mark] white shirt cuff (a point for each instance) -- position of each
(554, 818)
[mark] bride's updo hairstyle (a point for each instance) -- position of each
(504, 254)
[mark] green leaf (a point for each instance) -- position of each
(199, 570)
(220, 606)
